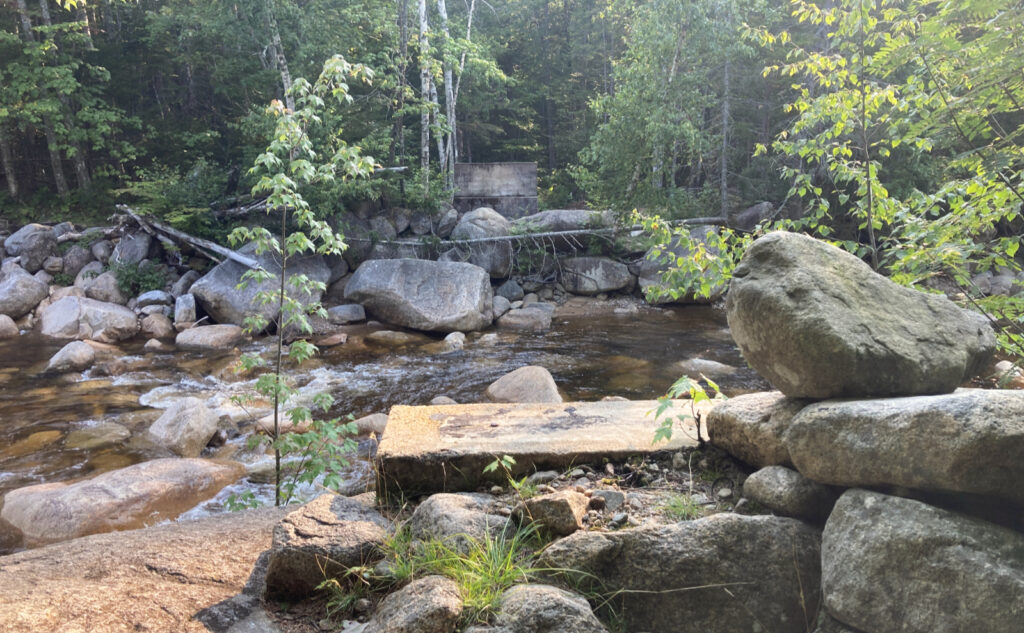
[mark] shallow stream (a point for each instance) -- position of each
(59, 428)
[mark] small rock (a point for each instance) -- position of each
(154, 297)
(185, 427)
(500, 305)
(93, 437)
(185, 309)
(373, 423)
(613, 499)
(8, 329)
(526, 384)
(157, 326)
(788, 493)
(542, 477)
(679, 461)
(153, 345)
(454, 341)
(209, 337)
(441, 400)
(560, 513)
(618, 519)
(426, 605)
(345, 314)
(497, 491)
(535, 608)
(724, 493)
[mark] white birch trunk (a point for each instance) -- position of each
(424, 96)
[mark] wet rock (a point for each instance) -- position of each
(426, 605)
(83, 318)
(143, 494)
(157, 326)
(373, 423)
(817, 322)
(750, 427)
(185, 309)
(98, 436)
(526, 384)
(185, 427)
(154, 345)
(217, 292)
(104, 288)
(132, 248)
(457, 519)
(20, 292)
(594, 275)
(209, 337)
(535, 608)
(692, 576)
(494, 257)
(560, 513)
(320, 540)
(454, 342)
(896, 565)
(788, 493)
(695, 367)
(424, 295)
(75, 260)
(344, 314)
(527, 319)
(8, 329)
(968, 441)
(75, 356)
(393, 338)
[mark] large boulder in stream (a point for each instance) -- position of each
(817, 322)
(218, 294)
(83, 318)
(132, 497)
(494, 257)
(594, 275)
(893, 565)
(185, 427)
(20, 292)
(424, 295)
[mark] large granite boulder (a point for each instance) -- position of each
(104, 288)
(559, 220)
(217, 292)
(894, 565)
(20, 292)
(83, 318)
(971, 441)
(76, 259)
(185, 427)
(594, 275)
(719, 574)
(750, 427)
(132, 248)
(14, 243)
(818, 323)
(526, 384)
(424, 295)
(426, 605)
(494, 257)
(124, 499)
(321, 540)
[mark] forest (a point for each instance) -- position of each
(892, 127)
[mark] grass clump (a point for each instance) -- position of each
(482, 568)
(682, 507)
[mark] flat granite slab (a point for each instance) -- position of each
(446, 447)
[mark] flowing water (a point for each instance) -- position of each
(59, 428)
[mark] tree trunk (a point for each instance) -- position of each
(7, 161)
(424, 97)
(398, 124)
(277, 50)
(724, 184)
(82, 15)
(109, 25)
(78, 159)
(449, 101)
(56, 162)
(549, 106)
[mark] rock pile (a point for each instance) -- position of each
(896, 557)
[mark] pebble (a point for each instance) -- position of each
(618, 519)
(611, 499)
(609, 469)
(597, 503)
(725, 493)
(679, 461)
(577, 473)
(542, 477)
(497, 490)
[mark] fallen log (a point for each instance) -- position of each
(204, 246)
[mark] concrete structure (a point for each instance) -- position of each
(446, 447)
(508, 188)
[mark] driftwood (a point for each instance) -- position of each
(166, 233)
